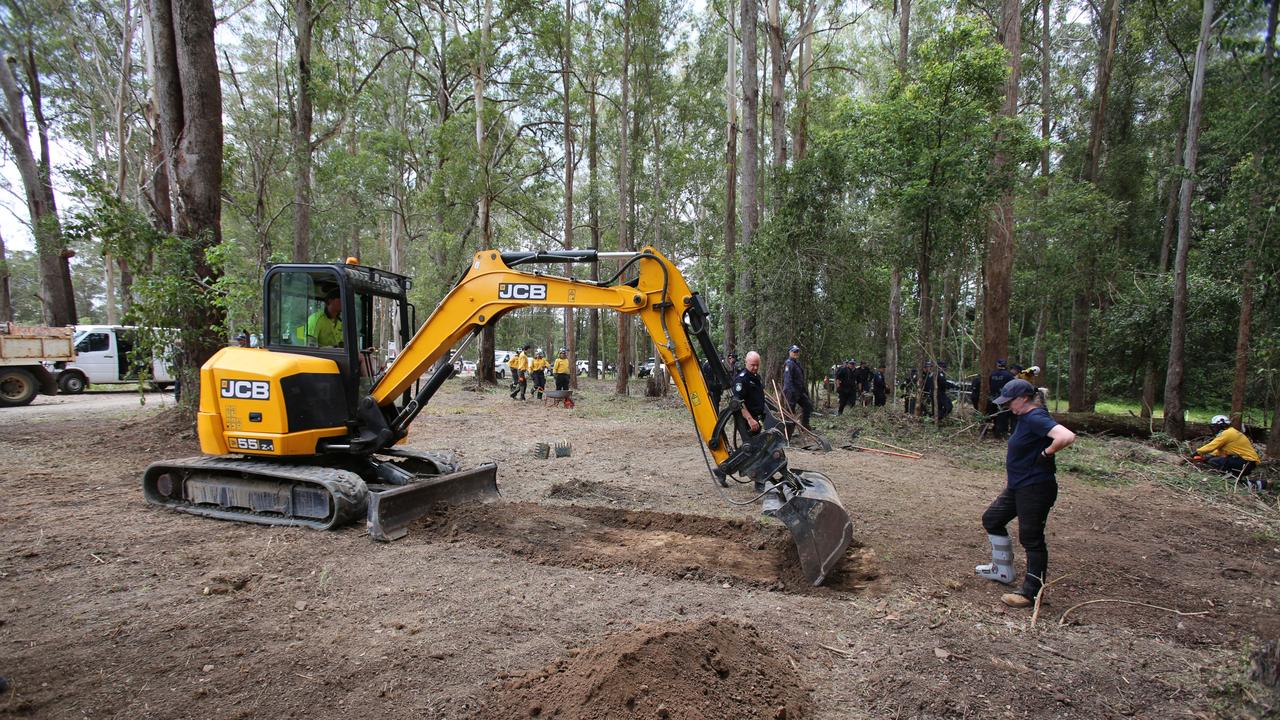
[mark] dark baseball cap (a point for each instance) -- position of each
(795, 348)
(1013, 389)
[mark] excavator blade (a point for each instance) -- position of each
(819, 524)
(391, 511)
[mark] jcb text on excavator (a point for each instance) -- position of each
(305, 430)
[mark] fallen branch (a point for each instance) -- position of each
(1063, 620)
(846, 653)
(1035, 614)
(888, 445)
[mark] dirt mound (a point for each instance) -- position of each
(578, 489)
(707, 670)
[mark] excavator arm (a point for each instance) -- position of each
(659, 295)
(675, 318)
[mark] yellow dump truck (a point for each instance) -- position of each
(23, 351)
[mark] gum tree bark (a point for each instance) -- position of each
(58, 304)
(1174, 422)
(189, 112)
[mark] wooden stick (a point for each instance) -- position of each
(777, 396)
(883, 452)
(1063, 620)
(895, 447)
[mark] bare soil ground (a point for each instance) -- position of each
(617, 583)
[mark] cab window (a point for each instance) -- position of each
(94, 342)
(305, 309)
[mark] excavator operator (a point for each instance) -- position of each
(324, 326)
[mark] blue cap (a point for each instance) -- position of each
(795, 348)
(1013, 389)
(1001, 363)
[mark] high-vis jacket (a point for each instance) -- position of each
(519, 362)
(1230, 442)
(561, 366)
(538, 364)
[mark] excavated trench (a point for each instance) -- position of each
(759, 553)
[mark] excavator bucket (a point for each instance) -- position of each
(819, 524)
(391, 511)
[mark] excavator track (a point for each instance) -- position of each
(258, 491)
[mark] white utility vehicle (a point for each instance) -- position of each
(103, 358)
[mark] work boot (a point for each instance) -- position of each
(1017, 600)
(1000, 569)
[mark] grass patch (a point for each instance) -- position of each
(1252, 416)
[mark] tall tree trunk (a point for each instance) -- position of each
(56, 298)
(1256, 202)
(998, 266)
(1174, 422)
(800, 134)
(731, 186)
(303, 120)
(1077, 391)
(122, 164)
(1046, 92)
(750, 171)
(624, 189)
(570, 327)
(926, 303)
(593, 209)
(488, 340)
(777, 92)
(895, 276)
(895, 317)
(6, 298)
(190, 113)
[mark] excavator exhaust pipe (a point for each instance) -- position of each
(808, 505)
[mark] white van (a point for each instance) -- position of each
(102, 357)
(500, 360)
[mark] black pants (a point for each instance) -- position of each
(562, 381)
(520, 383)
(846, 399)
(999, 419)
(880, 398)
(539, 383)
(1230, 463)
(1030, 504)
(803, 407)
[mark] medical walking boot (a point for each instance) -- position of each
(1000, 569)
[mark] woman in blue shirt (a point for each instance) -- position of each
(1031, 489)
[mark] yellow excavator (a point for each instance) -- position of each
(307, 430)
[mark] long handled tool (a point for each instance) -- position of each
(882, 452)
(889, 445)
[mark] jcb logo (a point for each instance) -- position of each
(522, 291)
(246, 389)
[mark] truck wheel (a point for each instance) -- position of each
(71, 383)
(17, 387)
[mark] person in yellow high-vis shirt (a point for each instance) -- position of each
(1229, 451)
(519, 373)
(561, 369)
(538, 369)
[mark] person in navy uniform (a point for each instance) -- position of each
(1031, 488)
(748, 388)
(878, 388)
(999, 378)
(845, 385)
(794, 387)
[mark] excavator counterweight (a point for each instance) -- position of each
(307, 429)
